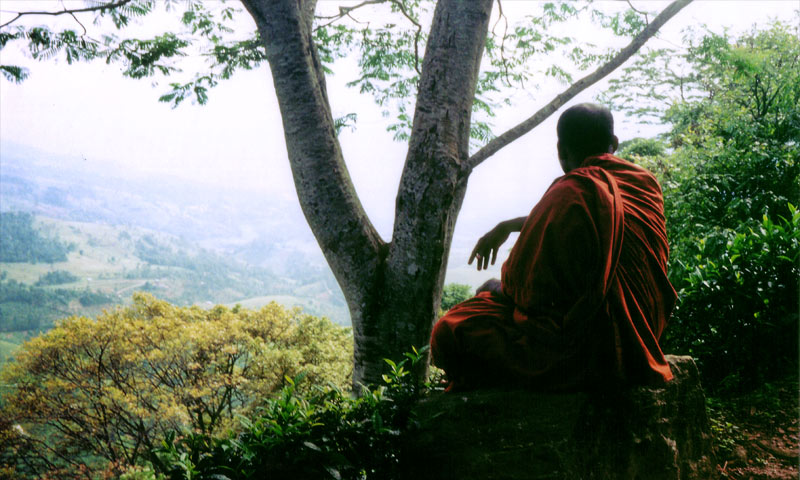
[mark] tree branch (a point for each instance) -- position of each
(526, 126)
(416, 36)
(345, 12)
(96, 8)
(644, 14)
(79, 23)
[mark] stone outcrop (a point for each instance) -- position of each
(642, 433)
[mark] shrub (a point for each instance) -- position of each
(737, 312)
(454, 293)
(321, 434)
(98, 393)
(56, 277)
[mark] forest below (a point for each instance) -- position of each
(189, 378)
(51, 269)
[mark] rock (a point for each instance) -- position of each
(739, 455)
(642, 433)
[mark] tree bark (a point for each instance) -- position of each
(351, 245)
(434, 179)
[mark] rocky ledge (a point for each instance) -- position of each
(642, 433)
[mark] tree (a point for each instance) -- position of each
(23, 242)
(393, 288)
(454, 293)
(102, 393)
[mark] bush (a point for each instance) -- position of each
(731, 183)
(321, 434)
(737, 312)
(454, 293)
(92, 392)
(56, 277)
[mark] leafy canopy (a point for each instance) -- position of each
(388, 37)
(98, 393)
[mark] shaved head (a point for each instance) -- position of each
(584, 130)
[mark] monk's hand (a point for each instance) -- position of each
(488, 245)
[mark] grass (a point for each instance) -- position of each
(7, 349)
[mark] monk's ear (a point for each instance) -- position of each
(614, 144)
(562, 154)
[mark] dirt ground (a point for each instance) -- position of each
(760, 437)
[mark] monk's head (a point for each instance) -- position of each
(584, 130)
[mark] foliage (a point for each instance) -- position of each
(390, 56)
(738, 308)
(770, 407)
(56, 277)
(731, 187)
(454, 293)
(321, 434)
(389, 50)
(22, 242)
(27, 307)
(88, 298)
(99, 393)
(202, 274)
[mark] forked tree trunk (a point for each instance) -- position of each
(392, 290)
(433, 183)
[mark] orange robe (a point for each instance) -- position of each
(585, 291)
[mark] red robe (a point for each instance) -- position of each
(585, 291)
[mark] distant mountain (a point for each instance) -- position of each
(250, 230)
(258, 247)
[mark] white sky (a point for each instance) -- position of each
(90, 111)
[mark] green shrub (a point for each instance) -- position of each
(737, 310)
(56, 277)
(321, 434)
(95, 395)
(454, 293)
(731, 177)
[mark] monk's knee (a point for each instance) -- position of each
(443, 343)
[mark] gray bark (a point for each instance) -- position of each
(350, 243)
(434, 180)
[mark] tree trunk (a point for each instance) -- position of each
(350, 243)
(431, 189)
(392, 290)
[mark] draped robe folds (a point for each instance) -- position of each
(585, 294)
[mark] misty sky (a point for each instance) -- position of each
(90, 112)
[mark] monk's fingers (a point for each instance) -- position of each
(477, 252)
(494, 255)
(473, 255)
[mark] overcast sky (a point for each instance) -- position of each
(90, 111)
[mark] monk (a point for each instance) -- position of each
(584, 295)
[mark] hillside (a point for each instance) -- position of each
(100, 235)
(106, 264)
(183, 242)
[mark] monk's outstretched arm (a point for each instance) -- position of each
(489, 244)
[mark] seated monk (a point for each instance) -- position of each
(584, 295)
